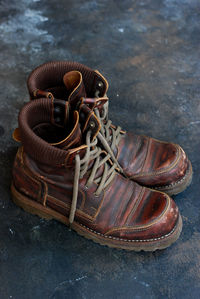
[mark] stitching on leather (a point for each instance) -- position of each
(71, 133)
(175, 183)
(155, 173)
(45, 193)
(139, 142)
(38, 180)
(136, 204)
(74, 141)
(74, 90)
(21, 154)
(99, 207)
(146, 153)
(64, 205)
(86, 123)
(127, 240)
(61, 204)
(52, 110)
(30, 174)
(82, 205)
(142, 228)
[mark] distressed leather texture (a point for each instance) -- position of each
(123, 209)
(151, 162)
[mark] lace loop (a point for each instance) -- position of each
(111, 133)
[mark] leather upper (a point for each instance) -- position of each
(151, 162)
(124, 210)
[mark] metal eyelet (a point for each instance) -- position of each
(100, 84)
(57, 119)
(57, 110)
(92, 124)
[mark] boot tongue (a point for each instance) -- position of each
(73, 138)
(77, 94)
(74, 83)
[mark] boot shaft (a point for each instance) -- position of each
(47, 80)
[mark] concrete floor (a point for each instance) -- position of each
(150, 53)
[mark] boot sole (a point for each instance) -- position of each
(179, 186)
(35, 208)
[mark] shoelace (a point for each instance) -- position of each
(111, 133)
(93, 152)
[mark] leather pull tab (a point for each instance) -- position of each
(95, 102)
(16, 135)
(42, 94)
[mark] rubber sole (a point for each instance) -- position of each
(136, 245)
(179, 186)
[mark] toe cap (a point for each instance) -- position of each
(165, 163)
(154, 218)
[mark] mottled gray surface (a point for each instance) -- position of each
(150, 53)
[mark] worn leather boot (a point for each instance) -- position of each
(160, 165)
(60, 173)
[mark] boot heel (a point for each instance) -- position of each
(28, 205)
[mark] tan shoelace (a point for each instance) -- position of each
(93, 152)
(111, 133)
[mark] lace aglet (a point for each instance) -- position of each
(70, 226)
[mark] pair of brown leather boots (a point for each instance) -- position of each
(75, 166)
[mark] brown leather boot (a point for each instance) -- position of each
(60, 173)
(147, 161)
